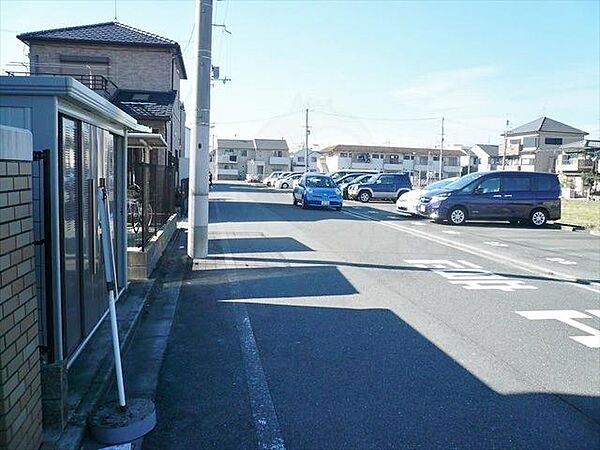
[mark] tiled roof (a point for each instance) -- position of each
(114, 33)
(106, 32)
(491, 150)
(246, 144)
(146, 104)
(271, 144)
(545, 124)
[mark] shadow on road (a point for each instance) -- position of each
(338, 377)
(394, 267)
(256, 245)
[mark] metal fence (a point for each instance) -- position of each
(151, 193)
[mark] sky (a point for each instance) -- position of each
(370, 72)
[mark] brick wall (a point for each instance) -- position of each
(20, 390)
(140, 68)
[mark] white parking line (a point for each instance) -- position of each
(562, 261)
(450, 232)
(522, 265)
(495, 244)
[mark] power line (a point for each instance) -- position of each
(258, 120)
(376, 119)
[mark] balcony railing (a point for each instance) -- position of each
(95, 82)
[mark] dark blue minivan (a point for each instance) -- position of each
(498, 195)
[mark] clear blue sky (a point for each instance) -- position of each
(475, 63)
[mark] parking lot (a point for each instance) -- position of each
(363, 328)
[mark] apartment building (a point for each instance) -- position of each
(535, 146)
(237, 159)
(422, 163)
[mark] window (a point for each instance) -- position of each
(452, 161)
(553, 141)
(313, 159)
(436, 158)
(515, 141)
(375, 156)
(228, 151)
(343, 155)
(409, 157)
(516, 184)
(547, 183)
(490, 185)
(530, 141)
(278, 153)
(244, 152)
(423, 160)
(363, 157)
(394, 159)
(301, 159)
(232, 158)
(386, 179)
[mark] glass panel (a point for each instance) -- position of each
(69, 150)
(516, 184)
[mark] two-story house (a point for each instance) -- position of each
(422, 163)
(271, 155)
(299, 160)
(137, 71)
(237, 159)
(535, 146)
(483, 157)
(577, 161)
(230, 158)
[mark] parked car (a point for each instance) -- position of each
(409, 201)
(381, 186)
(360, 179)
(498, 195)
(335, 176)
(287, 182)
(317, 190)
(351, 176)
(272, 177)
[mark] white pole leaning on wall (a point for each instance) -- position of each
(198, 186)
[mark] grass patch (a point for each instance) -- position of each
(581, 212)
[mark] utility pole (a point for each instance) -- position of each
(505, 144)
(198, 195)
(442, 149)
(306, 144)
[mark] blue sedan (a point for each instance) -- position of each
(317, 190)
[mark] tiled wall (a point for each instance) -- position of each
(20, 390)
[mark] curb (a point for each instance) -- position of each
(571, 227)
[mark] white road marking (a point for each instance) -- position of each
(268, 432)
(418, 224)
(562, 261)
(479, 252)
(470, 276)
(450, 232)
(568, 316)
(495, 244)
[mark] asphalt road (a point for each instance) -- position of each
(365, 329)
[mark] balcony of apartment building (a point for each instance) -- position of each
(393, 163)
(84, 73)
